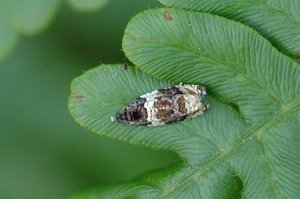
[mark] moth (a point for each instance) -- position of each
(164, 106)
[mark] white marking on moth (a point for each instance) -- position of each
(149, 105)
(172, 101)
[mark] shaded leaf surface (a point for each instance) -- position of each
(245, 146)
(279, 21)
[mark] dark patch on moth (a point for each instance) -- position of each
(135, 112)
(181, 104)
(170, 92)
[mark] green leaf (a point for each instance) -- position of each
(25, 17)
(246, 146)
(87, 5)
(278, 21)
(31, 16)
(94, 99)
(8, 37)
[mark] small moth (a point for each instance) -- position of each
(164, 106)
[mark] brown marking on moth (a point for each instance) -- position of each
(170, 92)
(196, 112)
(181, 105)
(167, 93)
(162, 104)
(167, 16)
(79, 97)
(164, 114)
(191, 92)
(298, 54)
(128, 115)
(144, 113)
(163, 109)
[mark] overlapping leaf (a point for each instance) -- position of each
(29, 17)
(245, 146)
(277, 20)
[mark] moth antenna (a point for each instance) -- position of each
(206, 107)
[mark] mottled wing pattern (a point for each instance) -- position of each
(164, 106)
(134, 113)
(161, 106)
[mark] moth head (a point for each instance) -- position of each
(201, 90)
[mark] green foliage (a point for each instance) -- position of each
(44, 154)
(87, 5)
(277, 20)
(245, 146)
(8, 36)
(29, 17)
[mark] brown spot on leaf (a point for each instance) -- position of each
(125, 66)
(134, 37)
(79, 97)
(298, 54)
(167, 16)
(152, 38)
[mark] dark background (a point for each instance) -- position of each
(43, 153)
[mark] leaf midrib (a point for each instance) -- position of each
(255, 131)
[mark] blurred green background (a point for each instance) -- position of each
(43, 152)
